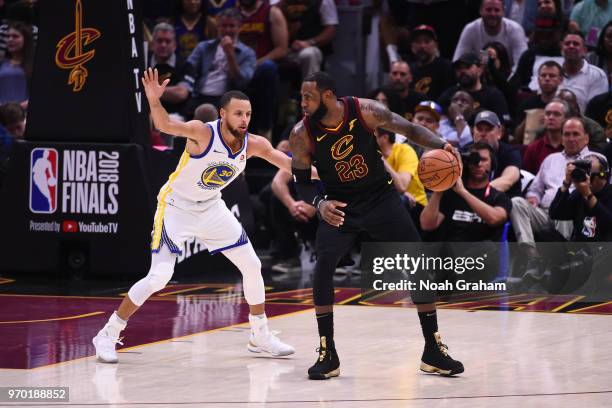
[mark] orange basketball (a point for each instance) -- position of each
(438, 170)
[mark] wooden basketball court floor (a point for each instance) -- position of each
(190, 351)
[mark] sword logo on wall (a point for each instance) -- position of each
(70, 55)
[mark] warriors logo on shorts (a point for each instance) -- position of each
(216, 176)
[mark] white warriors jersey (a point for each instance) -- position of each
(199, 179)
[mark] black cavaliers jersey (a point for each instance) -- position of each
(348, 159)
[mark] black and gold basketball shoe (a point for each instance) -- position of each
(328, 363)
(436, 359)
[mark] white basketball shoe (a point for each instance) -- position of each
(107, 338)
(263, 341)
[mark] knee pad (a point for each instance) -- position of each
(158, 278)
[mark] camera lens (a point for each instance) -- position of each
(578, 175)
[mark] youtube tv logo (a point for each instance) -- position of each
(70, 226)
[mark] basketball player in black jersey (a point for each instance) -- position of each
(337, 136)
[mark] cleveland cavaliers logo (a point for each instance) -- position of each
(342, 147)
(70, 55)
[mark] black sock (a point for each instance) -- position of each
(325, 321)
(429, 325)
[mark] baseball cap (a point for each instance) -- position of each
(488, 117)
(425, 29)
(469, 59)
(430, 106)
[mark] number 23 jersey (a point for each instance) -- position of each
(347, 158)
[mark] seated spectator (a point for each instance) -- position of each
(527, 11)
(550, 76)
(497, 71)
(401, 162)
(597, 136)
(12, 118)
(12, 127)
(506, 175)
(492, 26)
(582, 78)
(472, 210)
(192, 26)
(432, 74)
(544, 46)
(549, 140)
(216, 66)
(530, 215)
(601, 57)
(399, 17)
(214, 7)
(16, 67)
(600, 110)
(589, 206)
(168, 64)
(289, 217)
(426, 114)
(400, 79)
(264, 29)
(21, 11)
(206, 113)
(590, 16)
(469, 71)
(388, 97)
(454, 126)
(312, 28)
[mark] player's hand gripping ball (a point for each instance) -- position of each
(439, 170)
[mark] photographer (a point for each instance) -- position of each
(506, 176)
(530, 215)
(589, 205)
(474, 211)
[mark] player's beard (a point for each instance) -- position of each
(318, 115)
(237, 133)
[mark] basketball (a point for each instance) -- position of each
(438, 170)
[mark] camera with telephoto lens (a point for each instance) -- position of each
(582, 170)
(472, 158)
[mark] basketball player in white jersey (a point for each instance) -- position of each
(190, 204)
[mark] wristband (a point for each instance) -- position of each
(566, 185)
(318, 200)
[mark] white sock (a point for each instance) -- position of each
(115, 325)
(259, 326)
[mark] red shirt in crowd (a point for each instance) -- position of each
(536, 153)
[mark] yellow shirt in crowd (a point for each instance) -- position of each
(403, 158)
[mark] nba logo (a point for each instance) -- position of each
(43, 180)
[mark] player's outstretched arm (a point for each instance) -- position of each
(194, 129)
(260, 146)
(378, 115)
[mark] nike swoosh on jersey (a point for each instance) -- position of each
(390, 181)
(321, 137)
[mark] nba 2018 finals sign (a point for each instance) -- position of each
(86, 183)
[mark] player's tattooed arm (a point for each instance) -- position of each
(299, 145)
(378, 115)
